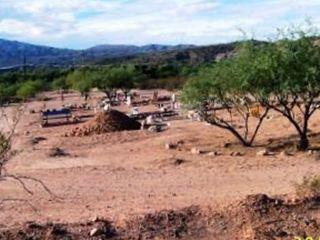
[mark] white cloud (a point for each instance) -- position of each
(14, 27)
(43, 6)
(86, 22)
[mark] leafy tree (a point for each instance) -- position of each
(283, 75)
(186, 71)
(218, 94)
(81, 81)
(29, 89)
(123, 78)
(109, 80)
(59, 84)
(104, 82)
(167, 70)
(7, 92)
(287, 78)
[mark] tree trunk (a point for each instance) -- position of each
(303, 142)
(235, 133)
(242, 140)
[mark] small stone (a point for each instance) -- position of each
(270, 117)
(263, 152)
(285, 154)
(310, 152)
(36, 140)
(178, 162)
(213, 154)
(180, 142)
(170, 146)
(236, 154)
(26, 133)
(95, 219)
(227, 145)
(195, 151)
(94, 232)
(57, 152)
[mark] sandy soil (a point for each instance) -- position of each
(118, 175)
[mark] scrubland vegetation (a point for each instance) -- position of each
(309, 186)
(283, 76)
(106, 163)
(23, 84)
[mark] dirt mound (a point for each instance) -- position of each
(258, 217)
(100, 229)
(168, 224)
(263, 218)
(171, 224)
(104, 122)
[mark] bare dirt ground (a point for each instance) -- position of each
(125, 174)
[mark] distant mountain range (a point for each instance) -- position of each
(15, 54)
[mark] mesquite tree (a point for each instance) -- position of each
(286, 78)
(111, 79)
(218, 93)
(80, 80)
(283, 75)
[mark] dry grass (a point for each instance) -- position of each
(310, 186)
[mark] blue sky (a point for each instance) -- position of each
(84, 23)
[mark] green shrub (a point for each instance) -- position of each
(29, 89)
(59, 83)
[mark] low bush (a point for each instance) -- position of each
(310, 186)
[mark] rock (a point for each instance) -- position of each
(94, 232)
(170, 146)
(178, 162)
(227, 145)
(26, 133)
(180, 142)
(281, 233)
(213, 154)
(310, 152)
(37, 140)
(59, 229)
(236, 154)
(285, 153)
(95, 219)
(264, 152)
(34, 225)
(195, 151)
(57, 152)
(270, 117)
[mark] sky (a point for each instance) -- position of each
(80, 24)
